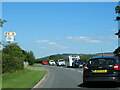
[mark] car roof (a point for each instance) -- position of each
(112, 57)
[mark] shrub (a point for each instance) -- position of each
(12, 58)
(11, 64)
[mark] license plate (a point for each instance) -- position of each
(100, 71)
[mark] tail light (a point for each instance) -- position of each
(116, 67)
(85, 68)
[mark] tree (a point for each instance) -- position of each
(30, 57)
(55, 57)
(117, 52)
(2, 22)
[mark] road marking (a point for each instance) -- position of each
(72, 69)
(66, 68)
(80, 71)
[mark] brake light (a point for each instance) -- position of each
(116, 67)
(85, 68)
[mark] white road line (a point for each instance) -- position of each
(66, 68)
(60, 67)
(80, 71)
(72, 69)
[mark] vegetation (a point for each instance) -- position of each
(2, 22)
(22, 79)
(117, 52)
(35, 66)
(13, 57)
(29, 56)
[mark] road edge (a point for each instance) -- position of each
(38, 84)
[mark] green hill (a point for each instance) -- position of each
(84, 57)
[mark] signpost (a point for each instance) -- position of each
(10, 36)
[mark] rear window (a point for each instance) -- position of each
(61, 60)
(101, 61)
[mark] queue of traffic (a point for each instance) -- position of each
(71, 61)
(96, 69)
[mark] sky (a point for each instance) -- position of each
(49, 28)
(59, 0)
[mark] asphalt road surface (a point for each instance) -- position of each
(62, 77)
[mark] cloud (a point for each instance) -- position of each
(46, 41)
(83, 39)
(56, 45)
(94, 41)
(110, 37)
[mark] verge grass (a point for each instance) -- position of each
(22, 79)
(35, 65)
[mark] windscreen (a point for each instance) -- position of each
(51, 61)
(101, 61)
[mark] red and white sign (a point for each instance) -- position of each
(10, 36)
(10, 33)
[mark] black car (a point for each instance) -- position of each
(102, 68)
(78, 63)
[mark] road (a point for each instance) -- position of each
(62, 77)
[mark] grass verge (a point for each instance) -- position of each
(22, 79)
(35, 65)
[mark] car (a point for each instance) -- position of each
(78, 63)
(60, 62)
(51, 62)
(102, 69)
(45, 63)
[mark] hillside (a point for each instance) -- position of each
(84, 57)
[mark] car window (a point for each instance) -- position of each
(80, 61)
(61, 60)
(119, 60)
(51, 61)
(76, 60)
(99, 61)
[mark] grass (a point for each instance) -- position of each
(22, 79)
(35, 65)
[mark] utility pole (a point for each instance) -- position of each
(117, 10)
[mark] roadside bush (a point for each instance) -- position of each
(12, 58)
(11, 64)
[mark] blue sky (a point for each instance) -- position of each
(49, 28)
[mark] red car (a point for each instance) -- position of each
(45, 63)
